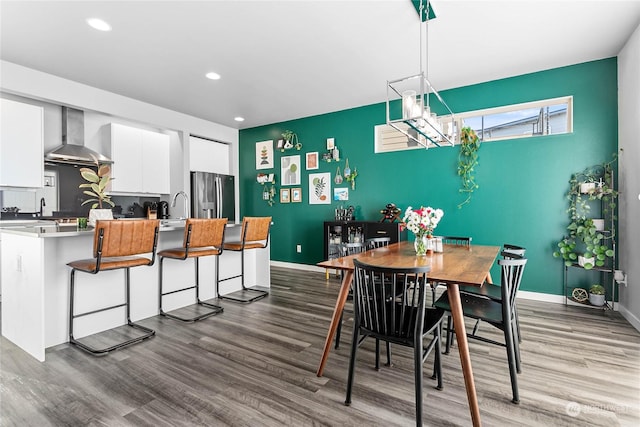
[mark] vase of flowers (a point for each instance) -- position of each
(421, 222)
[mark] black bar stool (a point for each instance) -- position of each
(202, 237)
(254, 235)
(116, 245)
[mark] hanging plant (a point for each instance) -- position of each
(467, 161)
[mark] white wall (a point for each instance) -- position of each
(629, 175)
(102, 107)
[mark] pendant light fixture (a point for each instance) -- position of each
(415, 117)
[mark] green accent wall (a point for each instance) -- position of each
(521, 199)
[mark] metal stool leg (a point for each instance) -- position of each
(215, 309)
(259, 293)
(102, 351)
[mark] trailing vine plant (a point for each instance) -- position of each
(582, 228)
(467, 161)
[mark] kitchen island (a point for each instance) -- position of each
(35, 282)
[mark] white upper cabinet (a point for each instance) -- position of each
(21, 145)
(208, 156)
(126, 153)
(140, 160)
(155, 162)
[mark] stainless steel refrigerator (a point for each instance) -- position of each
(213, 196)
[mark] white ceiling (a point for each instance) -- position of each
(281, 60)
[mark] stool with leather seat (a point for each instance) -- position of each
(254, 235)
(202, 237)
(116, 245)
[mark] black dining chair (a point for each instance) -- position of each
(494, 292)
(497, 313)
(402, 319)
(449, 240)
(346, 249)
(377, 242)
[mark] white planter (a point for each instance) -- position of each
(96, 214)
(582, 260)
(597, 300)
(599, 224)
(587, 187)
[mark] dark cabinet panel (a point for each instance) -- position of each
(336, 232)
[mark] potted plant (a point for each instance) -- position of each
(585, 243)
(97, 182)
(467, 161)
(596, 295)
(290, 140)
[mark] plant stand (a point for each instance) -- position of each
(606, 271)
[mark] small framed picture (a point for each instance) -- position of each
(280, 144)
(312, 160)
(296, 195)
(284, 195)
(331, 143)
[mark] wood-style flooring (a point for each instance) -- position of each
(255, 365)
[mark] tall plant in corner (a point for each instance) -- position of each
(97, 182)
(467, 161)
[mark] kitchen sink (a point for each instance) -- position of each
(172, 223)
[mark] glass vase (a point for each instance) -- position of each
(423, 245)
(420, 245)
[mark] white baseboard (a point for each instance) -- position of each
(538, 296)
(295, 266)
(526, 295)
(631, 318)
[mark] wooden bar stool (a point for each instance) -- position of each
(254, 235)
(202, 237)
(116, 245)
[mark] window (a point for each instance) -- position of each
(545, 117)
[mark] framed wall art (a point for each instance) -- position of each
(296, 195)
(320, 188)
(340, 194)
(290, 170)
(312, 160)
(284, 195)
(264, 154)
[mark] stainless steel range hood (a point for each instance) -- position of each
(72, 150)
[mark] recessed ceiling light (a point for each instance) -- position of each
(98, 24)
(239, 119)
(213, 76)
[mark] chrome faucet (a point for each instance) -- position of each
(186, 203)
(42, 205)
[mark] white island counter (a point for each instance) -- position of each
(35, 283)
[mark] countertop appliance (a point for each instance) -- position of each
(163, 210)
(213, 196)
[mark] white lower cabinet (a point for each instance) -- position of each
(21, 144)
(140, 160)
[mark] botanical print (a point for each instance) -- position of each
(290, 170)
(320, 188)
(340, 194)
(312, 160)
(264, 154)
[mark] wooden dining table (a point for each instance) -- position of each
(456, 265)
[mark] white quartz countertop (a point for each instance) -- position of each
(52, 229)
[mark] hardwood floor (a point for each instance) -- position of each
(254, 365)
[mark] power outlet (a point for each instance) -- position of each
(299, 249)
